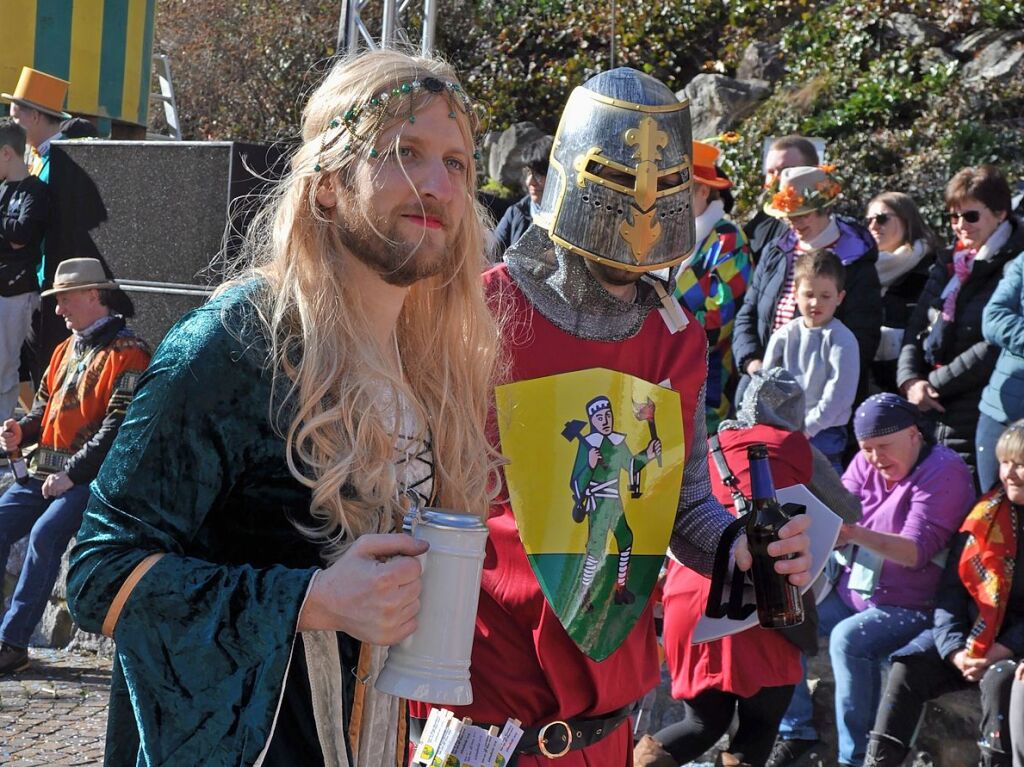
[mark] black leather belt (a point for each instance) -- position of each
(555, 739)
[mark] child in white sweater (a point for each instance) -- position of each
(820, 352)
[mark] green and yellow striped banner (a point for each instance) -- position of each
(102, 47)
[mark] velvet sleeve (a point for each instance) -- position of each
(204, 645)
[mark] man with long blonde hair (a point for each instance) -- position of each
(241, 545)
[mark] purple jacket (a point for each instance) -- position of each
(927, 506)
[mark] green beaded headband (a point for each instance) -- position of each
(374, 112)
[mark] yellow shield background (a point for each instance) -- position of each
(532, 416)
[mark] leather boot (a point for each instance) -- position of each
(725, 759)
(885, 751)
(650, 753)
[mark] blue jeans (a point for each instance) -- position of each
(50, 524)
(859, 645)
(985, 439)
(832, 442)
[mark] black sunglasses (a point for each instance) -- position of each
(970, 216)
(881, 219)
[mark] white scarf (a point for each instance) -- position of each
(706, 221)
(827, 237)
(892, 266)
(995, 241)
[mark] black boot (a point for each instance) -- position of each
(885, 751)
(13, 659)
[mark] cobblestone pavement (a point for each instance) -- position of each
(55, 713)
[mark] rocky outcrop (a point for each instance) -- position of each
(762, 61)
(505, 158)
(718, 103)
(1000, 58)
(908, 29)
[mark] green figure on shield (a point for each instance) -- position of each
(602, 455)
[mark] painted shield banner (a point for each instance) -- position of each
(595, 466)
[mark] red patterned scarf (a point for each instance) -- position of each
(986, 566)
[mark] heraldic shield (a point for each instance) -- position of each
(595, 467)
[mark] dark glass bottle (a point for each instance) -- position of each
(778, 601)
(18, 467)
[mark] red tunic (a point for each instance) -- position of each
(524, 664)
(742, 663)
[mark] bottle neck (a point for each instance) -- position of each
(761, 484)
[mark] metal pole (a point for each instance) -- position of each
(387, 32)
(351, 19)
(612, 55)
(343, 15)
(429, 25)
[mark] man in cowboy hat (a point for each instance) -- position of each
(76, 414)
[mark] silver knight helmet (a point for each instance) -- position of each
(619, 188)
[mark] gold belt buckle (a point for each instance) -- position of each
(542, 740)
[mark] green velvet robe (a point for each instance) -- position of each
(204, 641)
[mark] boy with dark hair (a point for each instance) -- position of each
(24, 213)
(819, 351)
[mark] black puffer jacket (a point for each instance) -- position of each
(967, 359)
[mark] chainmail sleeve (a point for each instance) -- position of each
(828, 488)
(700, 519)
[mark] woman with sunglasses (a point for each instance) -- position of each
(906, 251)
(945, 362)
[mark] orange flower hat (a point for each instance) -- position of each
(801, 190)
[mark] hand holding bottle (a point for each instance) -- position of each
(10, 437)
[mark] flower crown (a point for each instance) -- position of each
(788, 199)
(373, 113)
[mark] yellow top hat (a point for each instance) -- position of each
(40, 91)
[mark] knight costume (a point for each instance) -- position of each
(619, 195)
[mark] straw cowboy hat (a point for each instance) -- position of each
(40, 91)
(79, 274)
(705, 158)
(801, 190)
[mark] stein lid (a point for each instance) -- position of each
(441, 518)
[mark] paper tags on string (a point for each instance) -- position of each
(451, 742)
(671, 312)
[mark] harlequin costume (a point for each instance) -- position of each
(560, 323)
(712, 286)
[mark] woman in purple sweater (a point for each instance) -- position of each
(914, 496)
